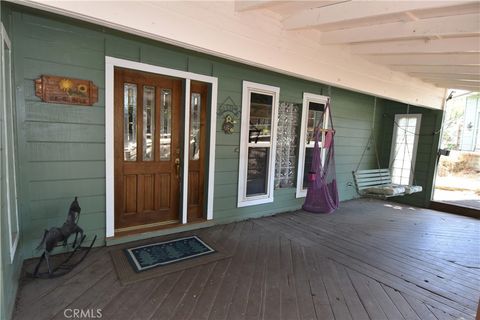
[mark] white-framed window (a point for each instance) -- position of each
(313, 114)
(9, 189)
(406, 129)
(258, 137)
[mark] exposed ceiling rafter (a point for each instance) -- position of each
(426, 59)
(255, 4)
(429, 77)
(463, 25)
(358, 10)
(450, 45)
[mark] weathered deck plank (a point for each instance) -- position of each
(369, 260)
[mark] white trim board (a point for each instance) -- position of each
(110, 64)
(11, 186)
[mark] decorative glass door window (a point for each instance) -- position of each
(404, 147)
(148, 122)
(195, 106)
(257, 143)
(130, 122)
(313, 115)
(165, 124)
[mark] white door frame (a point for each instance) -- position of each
(110, 64)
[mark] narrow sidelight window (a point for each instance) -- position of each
(257, 143)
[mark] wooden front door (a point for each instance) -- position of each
(147, 150)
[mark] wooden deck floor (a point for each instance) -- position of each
(369, 260)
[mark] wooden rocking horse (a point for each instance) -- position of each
(54, 236)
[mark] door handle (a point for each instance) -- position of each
(177, 168)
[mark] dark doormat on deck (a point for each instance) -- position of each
(152, 259)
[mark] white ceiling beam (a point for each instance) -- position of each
(457, 85)
(444, 76)
(467, 24)
(464, 44)
(437, 69)
(357, 10)
(241, 6)
(427, 59)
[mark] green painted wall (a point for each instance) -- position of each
(62, 147)
(428, 141)
(9, 271)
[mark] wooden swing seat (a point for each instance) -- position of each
(377, 183)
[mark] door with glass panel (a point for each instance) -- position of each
(147, 150)
(313, 115)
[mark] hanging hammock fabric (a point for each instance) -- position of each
(322, 192)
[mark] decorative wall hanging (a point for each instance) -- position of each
(66, 90)
(229, 111)
(287, 140)
(228, 124)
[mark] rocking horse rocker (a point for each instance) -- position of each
(54, 236)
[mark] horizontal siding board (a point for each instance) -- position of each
(64, 132)
(163, 57)
(50, 112)
(79, 56)
(49, 190)
(122, 48)
(65, 170)
(46, 209)
(52, 151)
(34, 68)
(222, 178)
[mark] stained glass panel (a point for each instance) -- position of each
(148, 122)
(195, 109)
(165, 124)
(130, 122)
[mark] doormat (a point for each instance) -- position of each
(162, 253)
(155, 258)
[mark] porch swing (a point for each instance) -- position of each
(377, 183)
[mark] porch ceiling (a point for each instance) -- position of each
(435, 41)
(408, 51)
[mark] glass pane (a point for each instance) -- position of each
(307, 167)
(165, 124)
(315, 117)
(195, 109)
(148, 122)
(260, 118)
(257, 171)
(130, 122)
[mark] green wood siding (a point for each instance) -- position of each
(62, 147)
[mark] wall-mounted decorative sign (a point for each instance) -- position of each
(228, 110)
(66, 90)
(286, 159)
(228, 124)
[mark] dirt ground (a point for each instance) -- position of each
(458, 189)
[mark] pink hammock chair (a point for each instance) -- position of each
(322, 193)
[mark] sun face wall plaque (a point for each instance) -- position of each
(55, 89)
